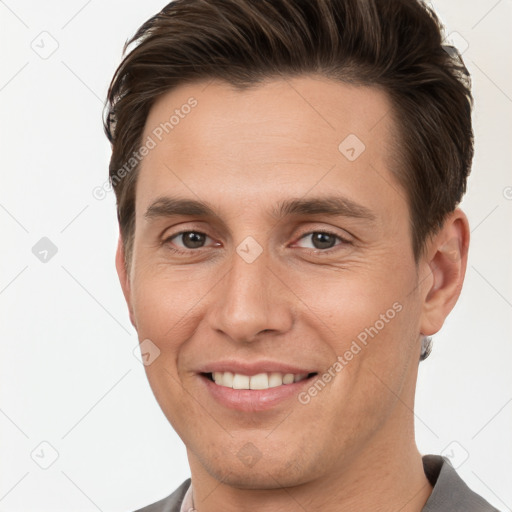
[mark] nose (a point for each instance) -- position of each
(250, 300)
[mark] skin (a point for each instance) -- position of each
(352, 446)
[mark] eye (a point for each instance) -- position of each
(187, 240)
(322, 240)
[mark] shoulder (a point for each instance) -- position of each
(450, 492)
(170, 504)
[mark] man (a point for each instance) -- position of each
(287, 176)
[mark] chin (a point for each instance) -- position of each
(250, 479)
(272, 471)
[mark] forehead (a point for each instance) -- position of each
(307, 109)
(288, 135)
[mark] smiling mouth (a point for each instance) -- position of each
(256, 382)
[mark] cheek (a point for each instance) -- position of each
(349, 301)
(369, 320)
(165, 303)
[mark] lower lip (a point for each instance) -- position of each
(253, 400)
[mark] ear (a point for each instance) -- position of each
(446, 259)
(124, 278)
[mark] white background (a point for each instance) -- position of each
(69, 377)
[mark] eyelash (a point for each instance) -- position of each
(309, 233)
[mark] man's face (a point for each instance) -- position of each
(257, 288)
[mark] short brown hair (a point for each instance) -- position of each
(396, 45)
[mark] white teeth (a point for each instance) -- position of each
(258, 381)
(275, 379)
(241, 381)
(227, 379)
(288, 378)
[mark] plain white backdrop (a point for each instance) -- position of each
(79, 427)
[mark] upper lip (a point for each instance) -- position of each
(253, 368)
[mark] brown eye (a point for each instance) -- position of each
(321, 240)
(193, 239)
(188, 240)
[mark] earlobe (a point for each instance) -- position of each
(447, 265)
(124, 278)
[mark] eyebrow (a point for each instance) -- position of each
(329, 205)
